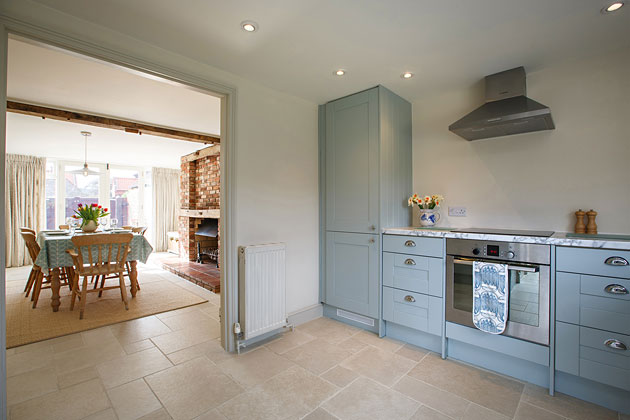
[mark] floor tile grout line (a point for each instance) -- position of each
(410, 369)
(156, 396)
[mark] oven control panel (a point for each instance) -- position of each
(495, 250)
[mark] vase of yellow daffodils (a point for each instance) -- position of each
(429, 206)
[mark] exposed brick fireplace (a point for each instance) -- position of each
(199, 189)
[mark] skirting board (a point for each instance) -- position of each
(517, 349)
(614, 398)
(305, 315)
(499, 362)
(295, 318)
(415, 337)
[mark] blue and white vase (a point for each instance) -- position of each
(429, 217)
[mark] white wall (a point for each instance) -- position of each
(536, 180)
(276, 157)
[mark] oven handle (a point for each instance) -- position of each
(510, 266)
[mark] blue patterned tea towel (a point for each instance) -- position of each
(490, 296)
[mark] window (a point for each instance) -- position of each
(124, 196)
(51, 194)
(79, 189)
(119, 189)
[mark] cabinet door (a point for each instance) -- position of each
(352, 272)
(352, 163)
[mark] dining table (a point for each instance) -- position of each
(53, 256)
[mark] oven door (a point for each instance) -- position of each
(528, 314)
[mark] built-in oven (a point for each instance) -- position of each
(529, 274)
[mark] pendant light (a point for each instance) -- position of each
(85, 171)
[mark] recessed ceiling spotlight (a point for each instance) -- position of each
(407, 75)
(249, 26)
(613, 7)
(340, 72)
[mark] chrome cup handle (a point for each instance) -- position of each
(410, 243)
(615, 344)
(409, 261)
(616, 289)
(410, 298)
(619, 261)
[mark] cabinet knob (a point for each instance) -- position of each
(412, 299)
(615, 344)
(371, 240)
(372, 227)
(410, 243)
(616, 261)
(409, 261)
(616, 289)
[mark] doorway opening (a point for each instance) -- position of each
(122, 180)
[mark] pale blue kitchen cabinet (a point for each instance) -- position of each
(365, 180)
(352, 154)
(593, 315)
(352, 272)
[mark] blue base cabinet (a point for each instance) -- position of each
(352, 272)
(413, 279)
(593, 324)
(365, 180)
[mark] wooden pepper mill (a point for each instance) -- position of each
(580, 227)
(591, 227)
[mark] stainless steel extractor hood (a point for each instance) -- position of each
(507, 110)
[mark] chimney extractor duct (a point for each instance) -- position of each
(507, 110)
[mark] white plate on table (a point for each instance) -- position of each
(57, 232)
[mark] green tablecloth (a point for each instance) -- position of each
(53, 250)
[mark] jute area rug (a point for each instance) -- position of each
(27, 325)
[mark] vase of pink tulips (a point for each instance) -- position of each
(89, 216)
(429, 206)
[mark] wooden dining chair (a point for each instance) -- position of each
(140, 229)
(31, 278)
(38, 280)
(96, 256)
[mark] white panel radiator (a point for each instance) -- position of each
(262, 289)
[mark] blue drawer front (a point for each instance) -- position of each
(605, 314)
(413, 273)
(415, 245)
(413, 310)
(608, 287)
(582, 351)
(602, 363)
(592, 261)
(582, 300)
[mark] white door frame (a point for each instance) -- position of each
(228, 95)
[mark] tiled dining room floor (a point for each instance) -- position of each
(172, 366)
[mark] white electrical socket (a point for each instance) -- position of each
(457, 211)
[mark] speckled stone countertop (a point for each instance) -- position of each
(558, 238)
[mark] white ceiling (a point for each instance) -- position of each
(56, 78)
(447, 44)
(29, 135)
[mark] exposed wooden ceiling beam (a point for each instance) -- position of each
(200, 154)
(106, 122)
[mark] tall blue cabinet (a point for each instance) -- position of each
(365, 180)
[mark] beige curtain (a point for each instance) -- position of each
(25, 190)
(165, 205)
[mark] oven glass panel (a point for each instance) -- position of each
(523, 297)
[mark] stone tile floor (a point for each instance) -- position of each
(171, 366)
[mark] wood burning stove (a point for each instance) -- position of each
(207, 241)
